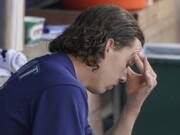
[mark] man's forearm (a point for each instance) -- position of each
(125, 123)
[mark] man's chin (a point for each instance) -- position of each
(97, 91)
(109, 88)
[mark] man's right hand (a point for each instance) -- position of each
(139, 86)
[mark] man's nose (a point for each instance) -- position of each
(123, 79)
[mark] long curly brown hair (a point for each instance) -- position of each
(86, 38)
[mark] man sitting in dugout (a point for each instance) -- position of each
(48, 95)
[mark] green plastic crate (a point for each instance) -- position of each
(160, 114)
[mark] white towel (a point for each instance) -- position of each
(11, 61)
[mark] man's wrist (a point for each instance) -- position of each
(132, 110)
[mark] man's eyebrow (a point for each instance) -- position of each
(137, 51)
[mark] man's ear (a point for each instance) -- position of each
(109, 47)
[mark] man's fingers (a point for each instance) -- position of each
(151, 70)
(130, 71)
(139, 64)
(149, 66)
(150, 78)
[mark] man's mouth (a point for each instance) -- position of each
(110, 87)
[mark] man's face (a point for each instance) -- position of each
(113, 67)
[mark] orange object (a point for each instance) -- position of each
(83, 4)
